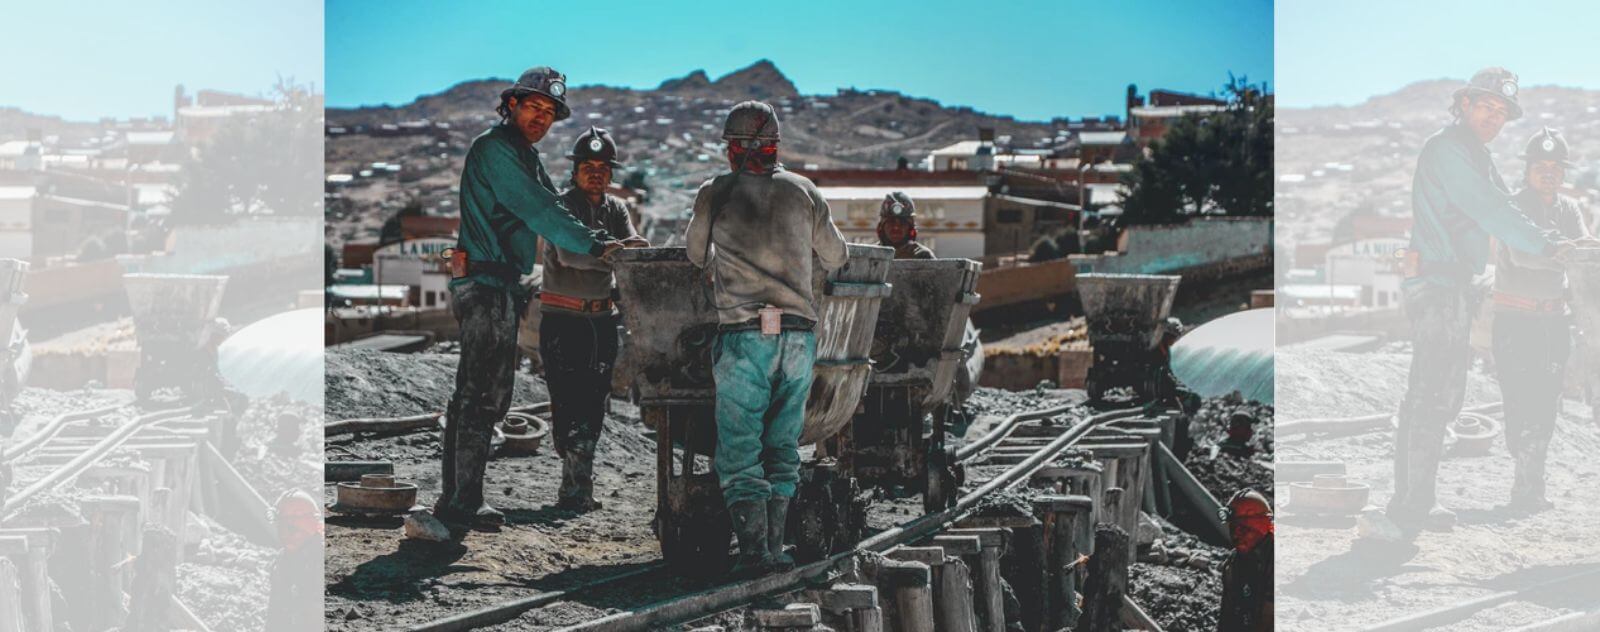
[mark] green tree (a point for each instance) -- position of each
(268, 162)
(1214, 163)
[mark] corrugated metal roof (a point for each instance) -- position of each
(280, 354)
(1232, 353)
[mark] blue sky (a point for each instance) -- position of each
(1030, 59)
(1340, 53)
(82, 60)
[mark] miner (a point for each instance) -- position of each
(578, 321)
(1532, 330)
(897, 227)
(755, 230)
(1458, 202)
(1247, 572)
(507, 203)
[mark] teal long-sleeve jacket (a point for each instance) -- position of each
(1458, 202)
(508, 201)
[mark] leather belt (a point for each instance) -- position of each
(1528, 303)
(587, 305)
(789, 322)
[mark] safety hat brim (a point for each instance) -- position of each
(1516, 109)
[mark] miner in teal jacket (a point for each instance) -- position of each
(1459, 201)
(507, 202)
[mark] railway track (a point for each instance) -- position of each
(1021, 455)
(1577, 588)
(134, 476)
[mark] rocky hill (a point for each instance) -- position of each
(1333, 162)
(670, 133)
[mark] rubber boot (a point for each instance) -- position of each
(577, 483)
(1439, 519)
(777, 519)
(750, 527)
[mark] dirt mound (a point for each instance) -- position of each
(1314, 384)
(367, 383)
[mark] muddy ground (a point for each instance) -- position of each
(1325, 575)
(377, 581)
(223, 578)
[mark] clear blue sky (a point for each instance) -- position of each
(1341, 53)
(82, 60)
(1033, 59)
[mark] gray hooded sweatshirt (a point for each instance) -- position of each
(759, 245)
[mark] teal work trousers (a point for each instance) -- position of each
(762, 385)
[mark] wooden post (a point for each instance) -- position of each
(156, 572)
(108, 518)
(1159, 469)
(854, 607)
(1062, 517)
(1108, 581)
(32, 561)
(956, 608)
(986, 581)
(795, 616)
(912, 595)
(1021, 563)
(10, 598)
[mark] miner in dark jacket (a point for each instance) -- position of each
(1247, 597)
(1458, 202)
(578, 322)
(897, 227)
(507, 203)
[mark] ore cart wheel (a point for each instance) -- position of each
(828, 514)
(691, 520)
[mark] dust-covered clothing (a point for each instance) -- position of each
(1458, 202)
(759, 245)
(485, 376)
(1533, 276)
(1441, 354)
(507, 203)
(578, 353)
(1247, 597)
(581, 274)
(762, 385)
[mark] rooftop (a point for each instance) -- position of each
(916, 193)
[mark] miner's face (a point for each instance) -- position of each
(1486, 116)
(896, 230)
(533, 115)
(594, 176)
(1546, 176)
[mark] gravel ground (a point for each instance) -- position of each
(1325, 574)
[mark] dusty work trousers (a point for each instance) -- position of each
(484, 380)
(578, 353)
(762, 385)
(1530, 356)
(1441, 355)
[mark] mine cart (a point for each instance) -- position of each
(897, 437)
(1583, 280)
(671, 325)
(175, 320)
(1127, 318)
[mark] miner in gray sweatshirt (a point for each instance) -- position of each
(1532, 333)
(755, 231)
(578, 322)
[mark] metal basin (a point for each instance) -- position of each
(1328, 494)
(921, 326)
(180, 306)
(375, 495)
(1127, 308)
(671, 325)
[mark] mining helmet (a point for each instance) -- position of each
(1497, 82)
(897, 205)
(1547, 144)
(1247, 503)
(751, 120)
(595, 144)
(542, 80)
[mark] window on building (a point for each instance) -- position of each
(958, 164)
(428, 298)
